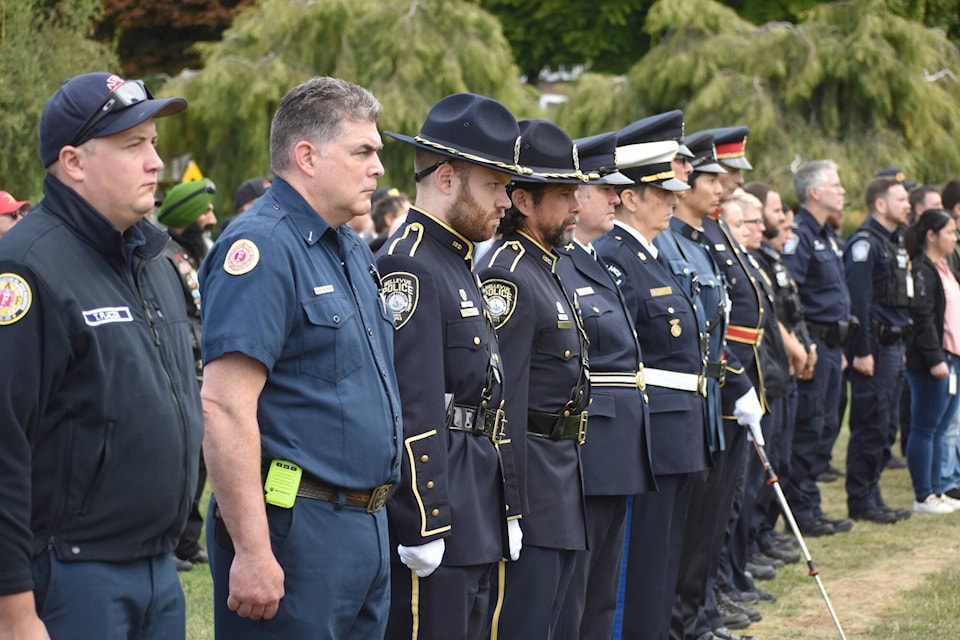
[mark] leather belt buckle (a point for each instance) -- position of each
(378, 497)
(582, 428)
(499, 432)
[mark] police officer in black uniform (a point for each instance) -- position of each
(879, 277)
(545, 377)
(616, 457)
(814, 259)
(456, 464)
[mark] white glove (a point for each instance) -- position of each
(515, 536)
(748, 412)
(423, 559)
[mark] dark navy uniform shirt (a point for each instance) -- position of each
(541, 344)
(669, 335)
(814, 259)
(285, 288)
(875, 260)
(685, 252)
(616, 454)
(446, 354)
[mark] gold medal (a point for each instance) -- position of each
(675, 328)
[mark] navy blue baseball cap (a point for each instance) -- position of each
(96, 105)
(598, 155)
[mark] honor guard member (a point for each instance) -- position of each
(815, 261)
(301, 400)
(101, 419)
(546, 380)
(456, 511)
(713, 498)
(668, 332)
(616, 458)
(879, 277)
(731, 145)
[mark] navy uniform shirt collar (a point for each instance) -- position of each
(805, 218)
(443, 233)
(309, 224)
(547, 257)
(687, 231)
(894, 235)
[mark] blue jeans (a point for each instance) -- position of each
(931, 410)
(950, 462)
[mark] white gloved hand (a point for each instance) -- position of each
(515, 536)
(423, 559)
(748, 412)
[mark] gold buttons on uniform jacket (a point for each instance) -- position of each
(435, 513)
(424, 458)
(670, 310)
(430, 485)
(476, 339)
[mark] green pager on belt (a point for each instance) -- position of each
(282, 483)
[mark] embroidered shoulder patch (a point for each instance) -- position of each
(616, 273)
(501, 296)
(790, 246)
(241, 258)
(15, 298)
(401, 292)
(860, 250)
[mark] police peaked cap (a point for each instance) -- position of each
(662, 126)
(650, 163)
(598, 154)
(731, 143)
(550, 153)
(472, 128)
(704, 152)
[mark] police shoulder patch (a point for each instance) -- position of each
(241, 258)
(401, 292)
(790, 246)
(501, 296)
(616, 273)
(860, 251)
(15, 298)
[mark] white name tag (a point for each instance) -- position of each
(319, 291)
(107, 315)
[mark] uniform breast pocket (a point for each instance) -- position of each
(331, 345)
(667, 320)
(469, 334)
(600, 323)
(558, 343)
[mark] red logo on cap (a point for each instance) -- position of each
(113, 82)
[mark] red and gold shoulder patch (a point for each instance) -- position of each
(241, 258)
(15, 298)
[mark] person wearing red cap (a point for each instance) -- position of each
(11, 210)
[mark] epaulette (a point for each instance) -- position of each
(408, 242)
(507, 255)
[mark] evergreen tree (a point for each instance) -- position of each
(408, 55)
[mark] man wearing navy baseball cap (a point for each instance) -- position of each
(102, 420)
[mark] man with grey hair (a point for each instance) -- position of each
(300, 397)
(815, 261)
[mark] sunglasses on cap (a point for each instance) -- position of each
(126, 95)
(15, 215)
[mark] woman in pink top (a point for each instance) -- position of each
(932, 356)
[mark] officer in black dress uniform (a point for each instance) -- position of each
(668, 331)
(616, 456)
(455, 512)
(546, 380)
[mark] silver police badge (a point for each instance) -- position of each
(401, 291)
(501, 296)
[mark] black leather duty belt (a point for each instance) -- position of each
(463, 418)
(372, 500)
(558, 427)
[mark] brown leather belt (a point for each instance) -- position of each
(372, 500)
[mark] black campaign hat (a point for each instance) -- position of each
(550, 153)
(472, 128)
(662, 126)
(598, 155)
(731, 143)
(704, 151)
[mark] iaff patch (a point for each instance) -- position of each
(501, 296)
(242, 257)
(15, 298)
(860, 250)
(401, 292)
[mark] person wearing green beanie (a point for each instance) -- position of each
(187, 212)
